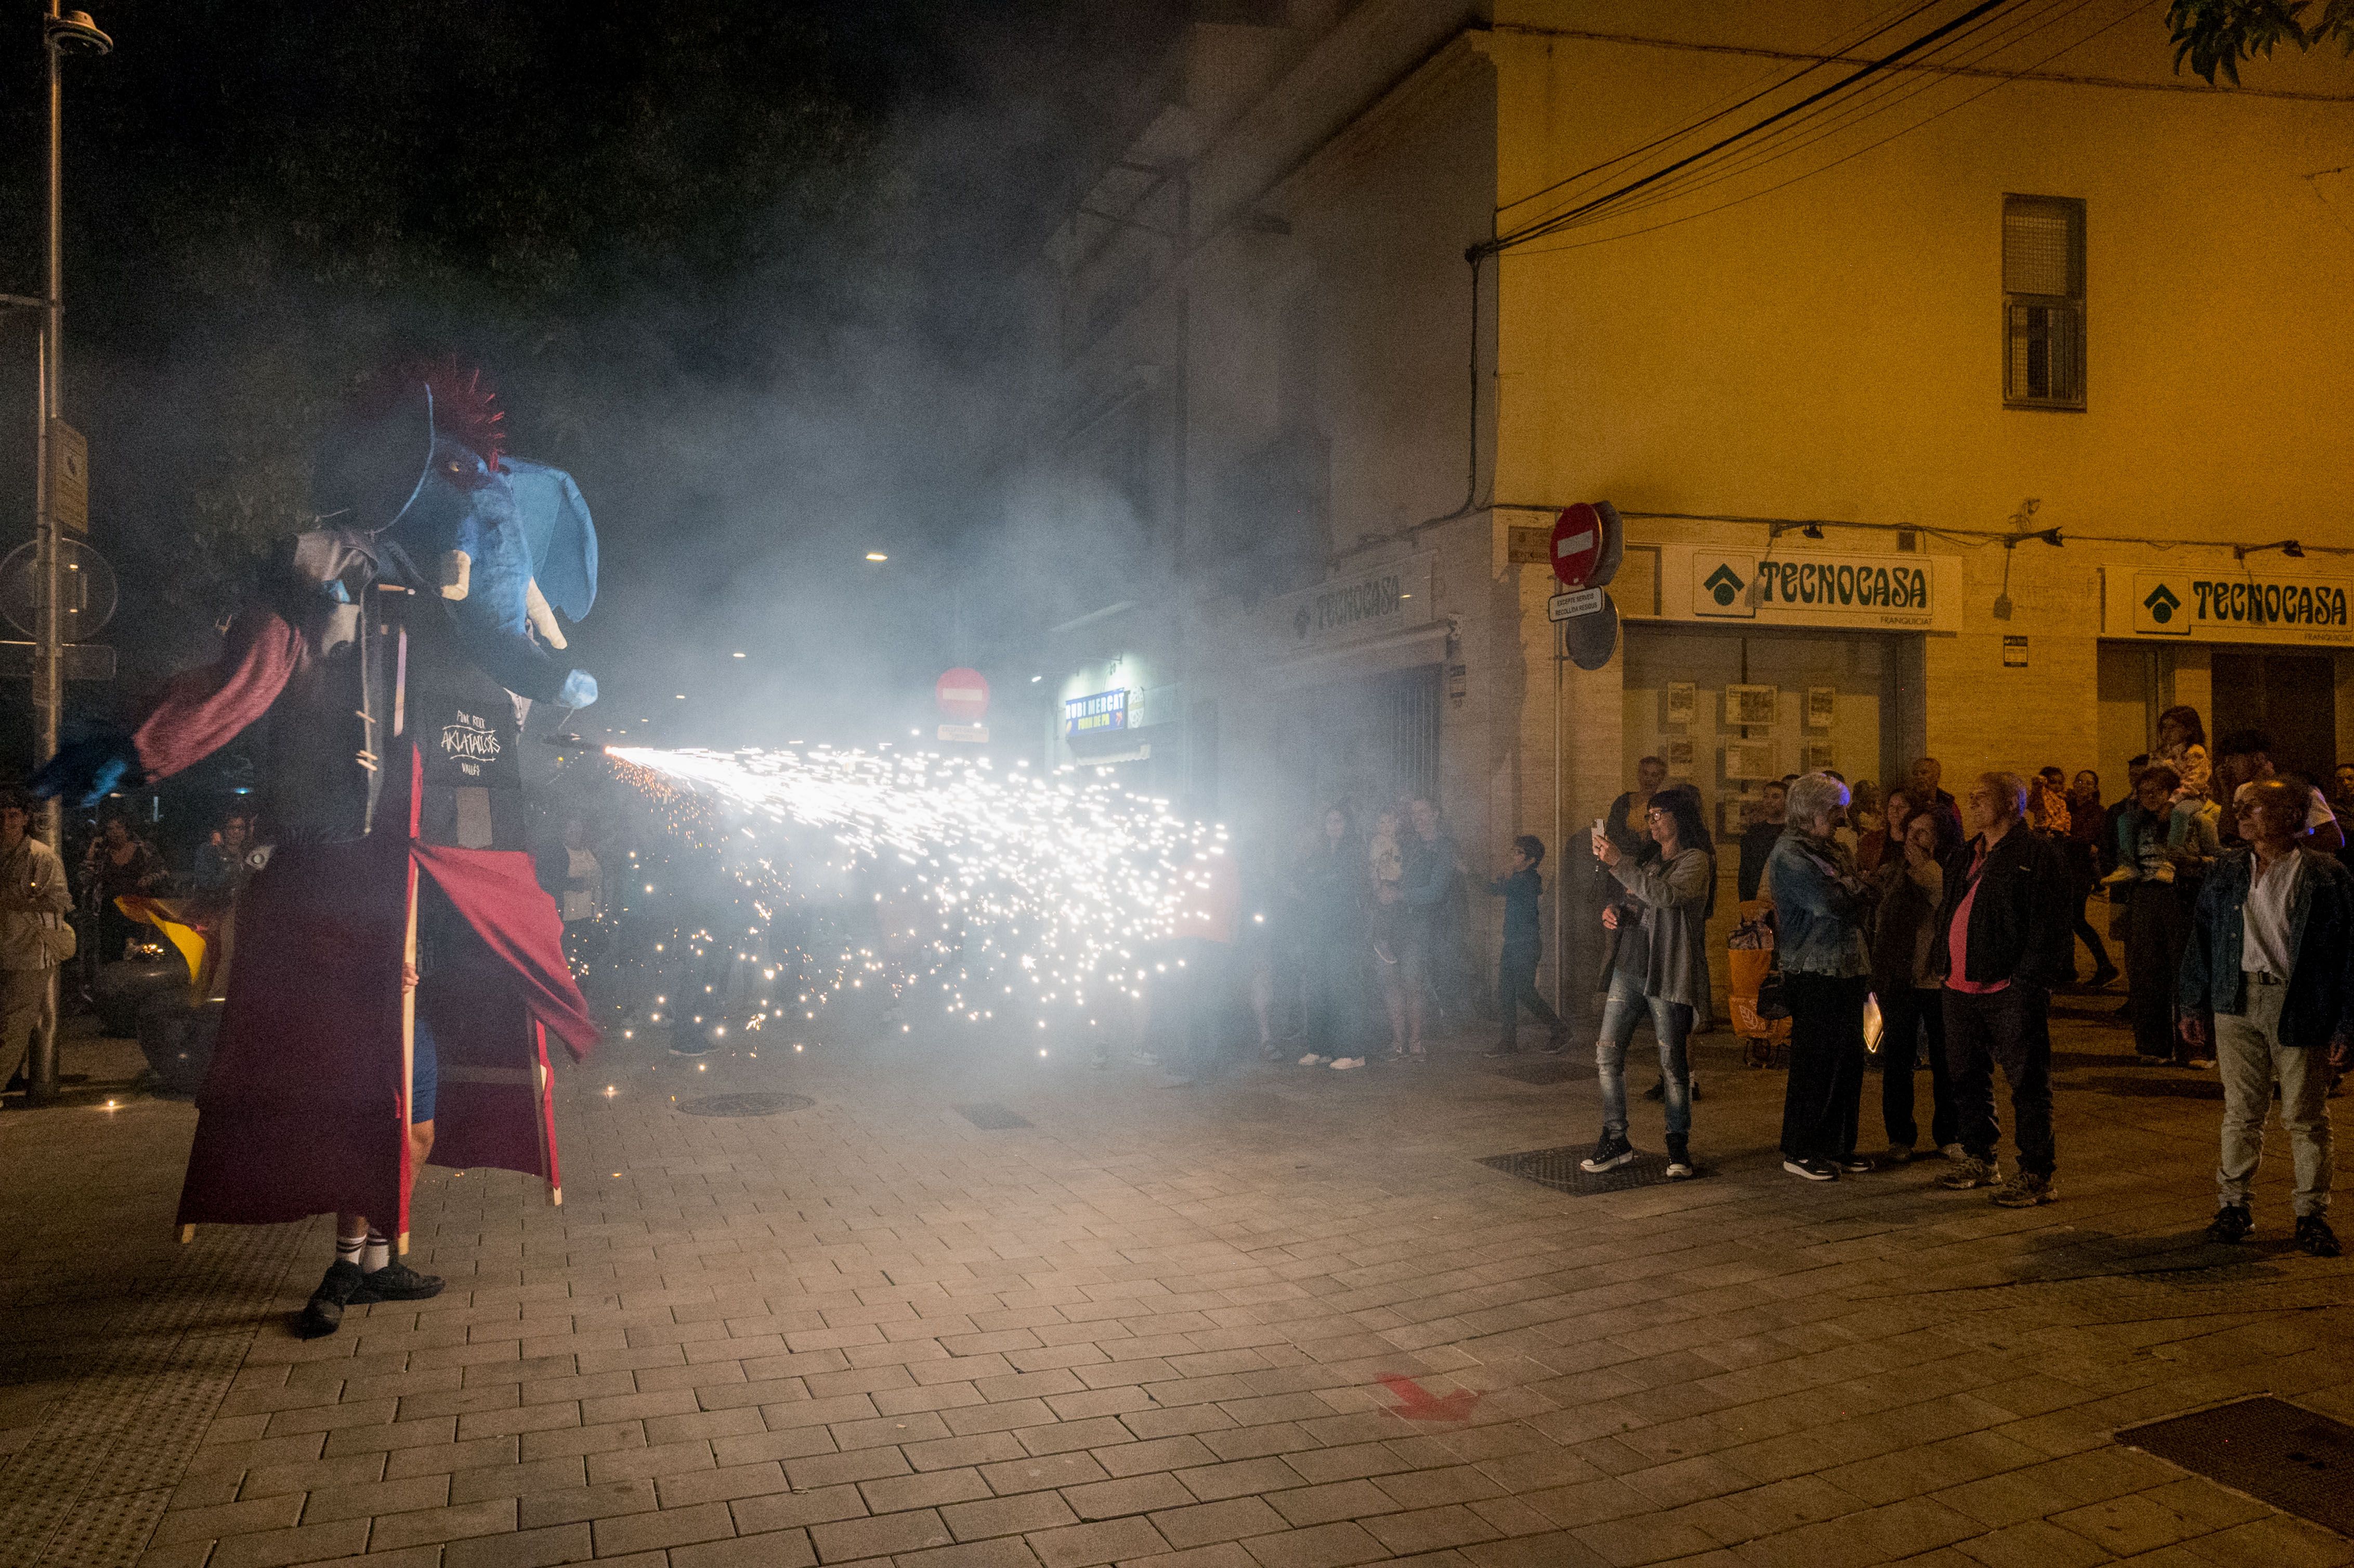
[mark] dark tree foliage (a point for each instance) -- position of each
(2212, 36)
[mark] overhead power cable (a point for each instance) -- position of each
(1543, 227)
(1830, 119)
(1690, 126)
(2005, 79)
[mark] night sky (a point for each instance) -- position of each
(752, 273)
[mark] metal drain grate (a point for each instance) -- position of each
(1558, 1169)
(744, 1105)
(1545, 1070)
(994, 1118)
(2273, 1451)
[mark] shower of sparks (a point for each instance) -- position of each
(993, 892)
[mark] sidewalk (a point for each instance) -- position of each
(1154, 1326)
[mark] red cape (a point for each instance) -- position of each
(305, 1107)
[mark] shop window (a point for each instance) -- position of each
(2043, 302)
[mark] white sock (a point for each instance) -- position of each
(378, 1253)
(347, 1248)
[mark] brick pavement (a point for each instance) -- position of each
(1150, 1329)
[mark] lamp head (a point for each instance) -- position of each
(74, 33)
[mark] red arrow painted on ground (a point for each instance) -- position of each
(1416, 1403)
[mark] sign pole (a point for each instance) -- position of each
(59, 34)
(49, 661)
(1560, 848)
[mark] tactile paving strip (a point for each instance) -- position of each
(1558, 1169)
(2282, 1454)
(89, 1489)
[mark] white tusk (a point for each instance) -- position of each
(543, 618)
(457, 574)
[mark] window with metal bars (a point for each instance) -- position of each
(2042, 301)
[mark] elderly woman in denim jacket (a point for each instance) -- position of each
(1821, 903)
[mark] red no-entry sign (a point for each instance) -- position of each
(1576, 543)
(1588, 541)
(962, 694)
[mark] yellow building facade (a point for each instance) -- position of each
(1834, 349)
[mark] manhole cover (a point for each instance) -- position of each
(1550, 1070)
(994, 1117)
(745, 1105)
(1558, 1169)
(2272, 1450)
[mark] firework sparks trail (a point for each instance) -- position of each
(1041, 894)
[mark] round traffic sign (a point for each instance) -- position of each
(1590, 640)
(962, 694)
(85, 591)
(1576, 543)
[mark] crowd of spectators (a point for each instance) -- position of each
(1949, 925)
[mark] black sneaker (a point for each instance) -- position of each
(2315, 1236)
(1557, 1042)
(1811, 1170)
(1658, 1091)
(397, 1281)
(2232, 1222)
(1679, 1165)
(1856, 1164)
(1610, 1152)
(323, 1314)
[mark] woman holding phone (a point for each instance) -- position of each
(1660, 964)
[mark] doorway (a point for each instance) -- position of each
(2289, 696)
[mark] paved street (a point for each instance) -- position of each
(1154, 1326)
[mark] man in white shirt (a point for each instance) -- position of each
(33, 935)
(2268, 956)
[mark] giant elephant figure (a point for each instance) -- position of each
(396, 938)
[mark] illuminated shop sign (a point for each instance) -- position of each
(1865, 590)
(1394, 596)
(1095, 715)
(2229, 606)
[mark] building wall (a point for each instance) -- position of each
(1832, 350)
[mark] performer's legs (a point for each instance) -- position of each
(364, 1270)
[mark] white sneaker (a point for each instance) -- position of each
(2122, 874)
(1344, 1063)
(1313, 1060)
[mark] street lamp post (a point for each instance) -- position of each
(62, 33)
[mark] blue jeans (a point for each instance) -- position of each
(1671, 1021)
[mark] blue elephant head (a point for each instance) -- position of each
(504, 541)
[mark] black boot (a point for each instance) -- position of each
(323, 1314)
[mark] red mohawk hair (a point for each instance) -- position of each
(464, 408)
